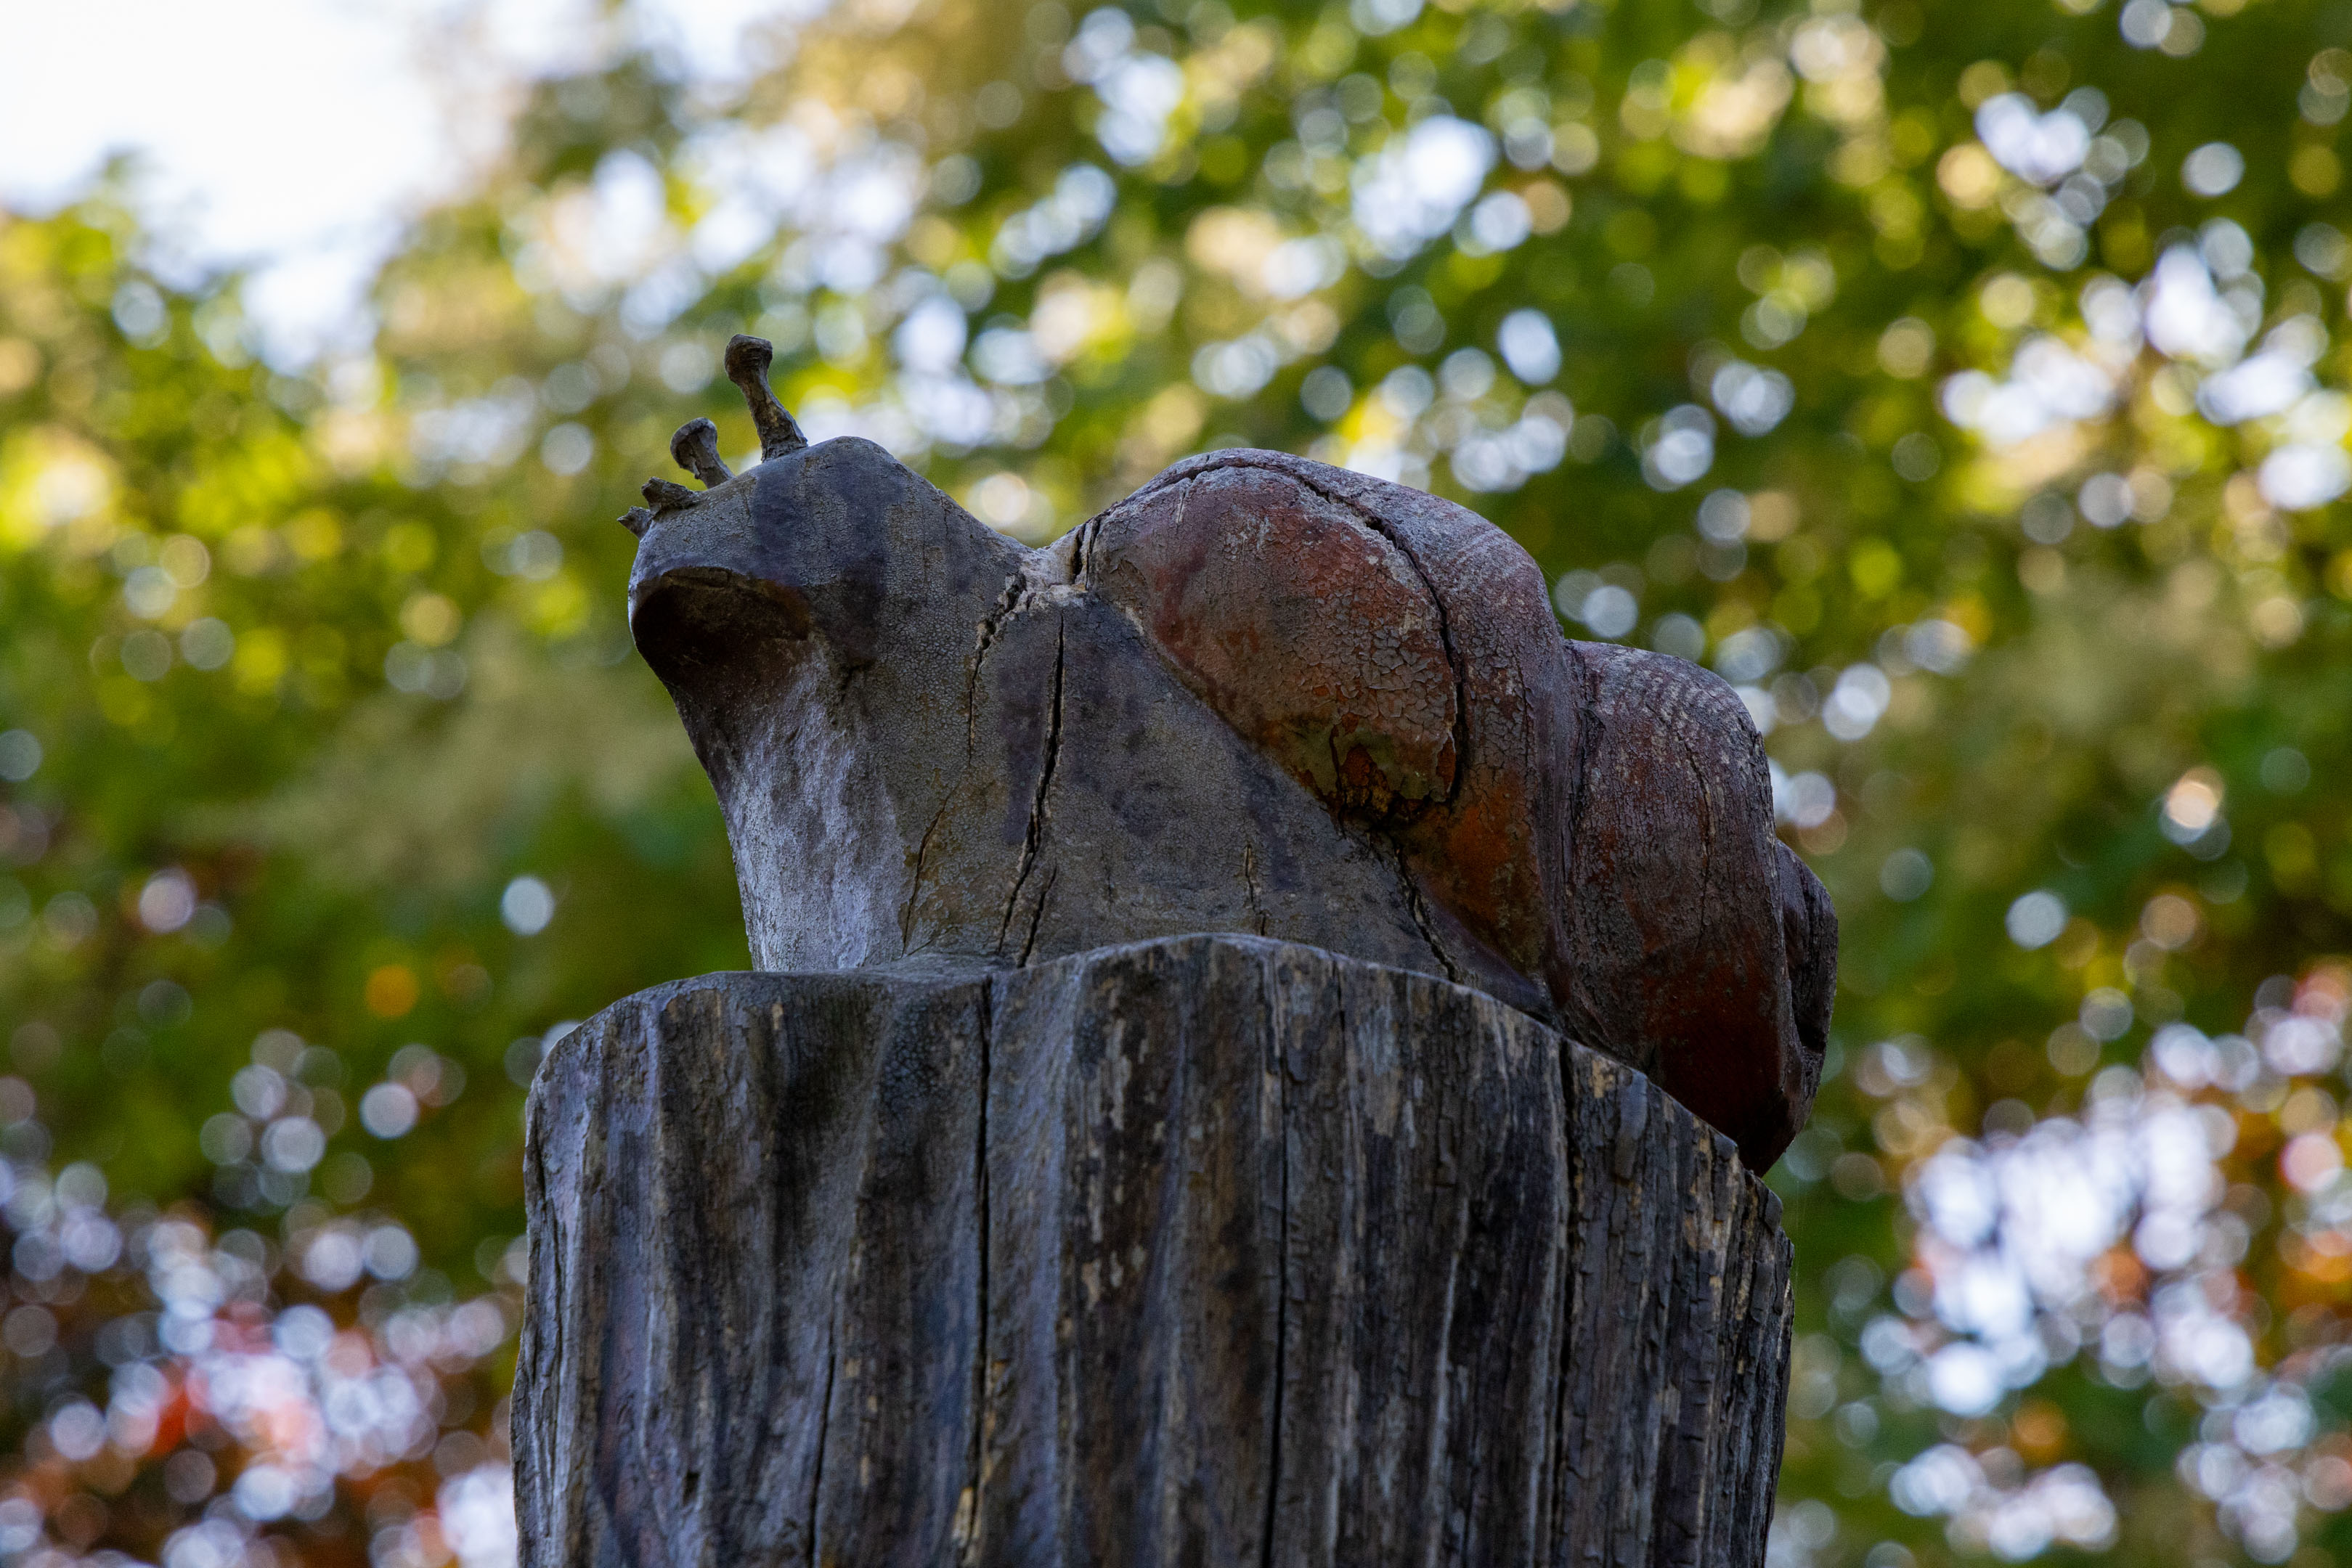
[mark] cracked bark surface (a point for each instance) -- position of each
(1209, 1249)
(1261, 695)
(1104, 1174)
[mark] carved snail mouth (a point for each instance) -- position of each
(702, 614)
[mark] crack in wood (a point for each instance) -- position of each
(922, 852)
(823, 1434)
(1417, 906)
(1006, 605)
(969, 1546)
(1034, 838)
(1449, 1202)
(1254, 901)
(1382, 527)
(1282, 1268)
(1037, 914)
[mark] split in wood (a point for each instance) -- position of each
(869, 1267)
(1368, 683)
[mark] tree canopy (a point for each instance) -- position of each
(1963, 385)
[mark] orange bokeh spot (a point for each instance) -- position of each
(391, 991)
(2119, 1277)
(2039, 1430)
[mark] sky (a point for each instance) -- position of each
(292, 137)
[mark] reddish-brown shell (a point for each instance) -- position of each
(1595, 819)
(1305, 629)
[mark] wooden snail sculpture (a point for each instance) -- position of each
(1261, 695)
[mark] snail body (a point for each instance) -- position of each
(1261, 695)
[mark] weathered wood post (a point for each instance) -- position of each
(1206, 1106)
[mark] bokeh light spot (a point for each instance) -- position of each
(526, 905)
(391, 990)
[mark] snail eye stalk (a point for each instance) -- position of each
(696, 449)
(748, 359)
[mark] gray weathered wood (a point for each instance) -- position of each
(1209, 1250)
(1262, 695)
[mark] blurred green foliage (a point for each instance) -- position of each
(1966, 384)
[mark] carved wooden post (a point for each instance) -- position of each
(1167, 1143)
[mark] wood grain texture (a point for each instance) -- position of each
(1209, 1249)
(1262, 696)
